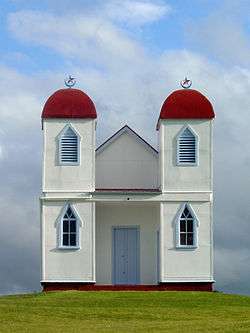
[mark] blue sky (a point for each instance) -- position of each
(169, 32)
(176, 29)
(128, 56)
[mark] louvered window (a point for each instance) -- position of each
(69, 152)
(187, 148)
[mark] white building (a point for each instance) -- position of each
(125, 216)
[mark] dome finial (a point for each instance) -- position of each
(186, 83)
(70, 81)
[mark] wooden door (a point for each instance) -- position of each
(125, 255)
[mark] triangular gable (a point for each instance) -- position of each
(126, 129)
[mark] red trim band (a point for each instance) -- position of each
(127, 190)
(173, 286)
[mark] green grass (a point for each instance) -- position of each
(125, 312)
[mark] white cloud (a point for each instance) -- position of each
(1, 152)
(133, 96)
(129, 87)
(136, 12)
(223, 36)
(87, 38)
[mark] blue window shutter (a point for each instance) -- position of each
(69, 147)
(187, 148)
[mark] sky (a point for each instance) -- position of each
(128, 56)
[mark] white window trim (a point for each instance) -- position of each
(196, 163)
(78, 146)
(196, 224)
(60, 229)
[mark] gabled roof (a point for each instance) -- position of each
(126, 129)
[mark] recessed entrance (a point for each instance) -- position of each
(126, 255)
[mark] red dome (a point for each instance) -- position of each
(186, 104)
(69, 103)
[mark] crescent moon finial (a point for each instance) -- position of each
(186, 83)
(70, 82)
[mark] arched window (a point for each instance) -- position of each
(186, 228)
(69, 152)
(69, 228)
(187, 147)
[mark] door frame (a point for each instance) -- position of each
(138, 271)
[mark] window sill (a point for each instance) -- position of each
(187, 164)
(69, 247)
(186, 247)
(69, 163)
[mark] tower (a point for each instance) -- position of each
(67, 218)
(186, 171)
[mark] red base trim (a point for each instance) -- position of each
(177, 286)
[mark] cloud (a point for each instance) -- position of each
(1, 152)
(223, 34)
(87, 38)
(232, 271)
(136, 12)
(20, 171)
(140, 96)
(127, 84)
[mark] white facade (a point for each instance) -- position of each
(127, 184)
(68, 182)
(126, 162)
(175, 177)
(186, 264)
(146, 218)
(68, 264)
(69, 178)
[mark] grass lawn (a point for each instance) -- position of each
(125, 312)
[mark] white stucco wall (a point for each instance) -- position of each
(186, 264)
(146, 216)
(69, 178)
(185, 178)
(126, 163)
(68, 265)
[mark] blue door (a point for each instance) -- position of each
(125, 255)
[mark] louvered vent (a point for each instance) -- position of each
(69, 147)
(187, 147)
